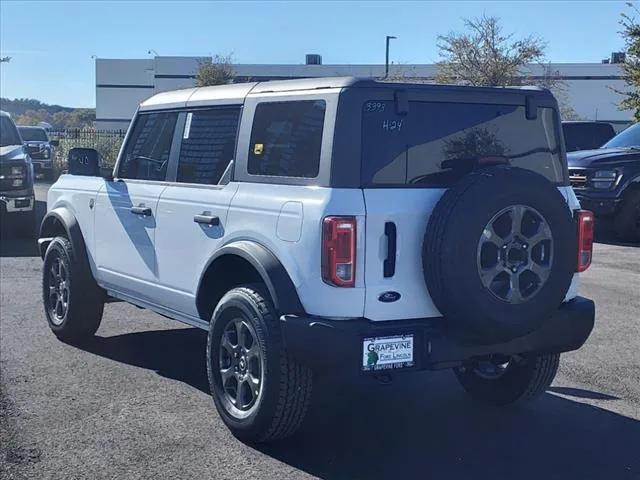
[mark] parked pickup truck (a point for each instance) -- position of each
(607, 181)
(334, 225)
(17, 202)
(41, 149)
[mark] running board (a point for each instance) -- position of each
(165, 312)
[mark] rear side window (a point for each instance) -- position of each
(586, 136)
(436, 143)
(208, 145)
(286, 139)
(147, 152)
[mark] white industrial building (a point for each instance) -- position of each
(121, 84)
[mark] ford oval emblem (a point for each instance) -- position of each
(388, 297)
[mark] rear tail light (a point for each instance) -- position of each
(339, 251)
(585, 239)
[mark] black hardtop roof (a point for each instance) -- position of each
(237, 92)
(356, 82)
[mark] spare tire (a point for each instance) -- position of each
(499, 254)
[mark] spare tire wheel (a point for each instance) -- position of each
(499, 254)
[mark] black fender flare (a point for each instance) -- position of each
(274, 275)
(48, 230)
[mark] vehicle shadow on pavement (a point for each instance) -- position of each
(419, 426)
(426, 427)
(11, 246)
(178, 354)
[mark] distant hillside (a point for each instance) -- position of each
(19, 106)
(28, 111)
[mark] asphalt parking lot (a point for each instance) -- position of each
(133, 403)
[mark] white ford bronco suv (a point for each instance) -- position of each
(332, 225)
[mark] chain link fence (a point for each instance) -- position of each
(106, 142)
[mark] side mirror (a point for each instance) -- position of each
(84, 161)
(54, 143)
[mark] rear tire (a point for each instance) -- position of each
(627, 220)
(275, 390)
(521, 381)
(73, 302)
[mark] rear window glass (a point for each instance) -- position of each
(437, 143)
(286, 139)
(586, 136)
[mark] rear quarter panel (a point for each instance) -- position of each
(287, 219)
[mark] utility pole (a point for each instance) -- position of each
(386, 63)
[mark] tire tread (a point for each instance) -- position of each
(295, 380)
(86, 303)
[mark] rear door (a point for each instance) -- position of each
(125, 209)
(192, 211)
(409, 159)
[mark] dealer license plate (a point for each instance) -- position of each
(385, 353)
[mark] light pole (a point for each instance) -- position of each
(386, 63)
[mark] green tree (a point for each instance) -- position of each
(215, 71)
(631, 66)
(485, 56)
(77, 118)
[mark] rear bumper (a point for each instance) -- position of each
(337, 344)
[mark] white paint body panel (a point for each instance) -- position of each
(183, 247)
(409, 209)
(255, 214)
(125, 242)
(75, 194)
(290, 220)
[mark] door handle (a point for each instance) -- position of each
(205, 218)
(389, 264)
(141, 210)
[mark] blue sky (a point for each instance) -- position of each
(51, 43)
